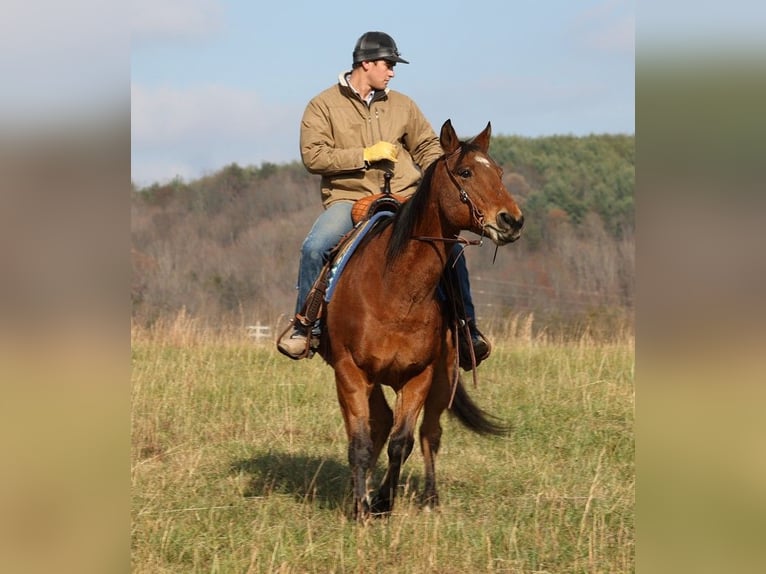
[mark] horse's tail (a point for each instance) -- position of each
(472, 417)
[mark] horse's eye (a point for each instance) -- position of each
(465, 173)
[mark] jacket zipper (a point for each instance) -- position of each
(371, 135)
(377, 119)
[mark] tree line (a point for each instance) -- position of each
(225, 247)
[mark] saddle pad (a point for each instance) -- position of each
(347, 250)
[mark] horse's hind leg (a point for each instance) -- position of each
(381, 420)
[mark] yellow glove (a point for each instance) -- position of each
(379, 151)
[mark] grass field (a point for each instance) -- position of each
(239, 465)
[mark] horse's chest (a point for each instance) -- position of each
(403, 352)
(393, 339)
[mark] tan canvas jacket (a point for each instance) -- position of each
(336, 127)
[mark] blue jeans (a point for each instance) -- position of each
(333, 223)
(461, 273)
(329, 227)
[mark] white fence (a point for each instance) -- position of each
(259, 332)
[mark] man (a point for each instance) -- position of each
(352, 134)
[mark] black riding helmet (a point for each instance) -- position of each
(376, 46)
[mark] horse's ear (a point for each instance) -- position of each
(482, 140)
(448, 137)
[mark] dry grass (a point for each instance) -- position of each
(239, 464)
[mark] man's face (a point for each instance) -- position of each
(379, 73)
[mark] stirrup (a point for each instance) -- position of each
(312, 338)
(467, 356)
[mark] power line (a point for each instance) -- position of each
(574, 295)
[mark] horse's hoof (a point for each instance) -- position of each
(380, 506)
(430, 502)
(362, 511)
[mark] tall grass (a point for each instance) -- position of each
(239, 464)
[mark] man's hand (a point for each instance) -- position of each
(380, 151)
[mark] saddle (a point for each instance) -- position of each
(368, 206)
(365, 214)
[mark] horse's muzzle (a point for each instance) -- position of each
(506, 228)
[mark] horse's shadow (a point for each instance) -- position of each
(323, 481)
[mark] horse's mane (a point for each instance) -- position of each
(405, 219)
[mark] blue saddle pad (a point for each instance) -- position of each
(339, 263)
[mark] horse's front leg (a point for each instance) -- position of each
(359, 458)
(353, 396)
(431, 431)
(409, 402)
(430, 439)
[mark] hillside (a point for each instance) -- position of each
(225, 247)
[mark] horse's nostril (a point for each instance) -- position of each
(507, 220)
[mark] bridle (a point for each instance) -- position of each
(460, 324)
(478, 218)
(476, 215)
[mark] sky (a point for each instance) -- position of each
(215, 82)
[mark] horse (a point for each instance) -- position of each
(386, 323)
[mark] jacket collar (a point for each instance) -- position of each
(343, 81)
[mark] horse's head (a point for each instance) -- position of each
(477, 182)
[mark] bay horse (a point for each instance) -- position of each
(386, 323)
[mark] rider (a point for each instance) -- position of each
(352, 134)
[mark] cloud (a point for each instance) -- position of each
(175, 19)
(537, 105)
(164, 114)
(608, 26)
(191, 131)
(618, 35)
(56, 62)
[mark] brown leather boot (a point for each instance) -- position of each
(480, 345)
(293, 343)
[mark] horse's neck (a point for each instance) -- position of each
(426, 254)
